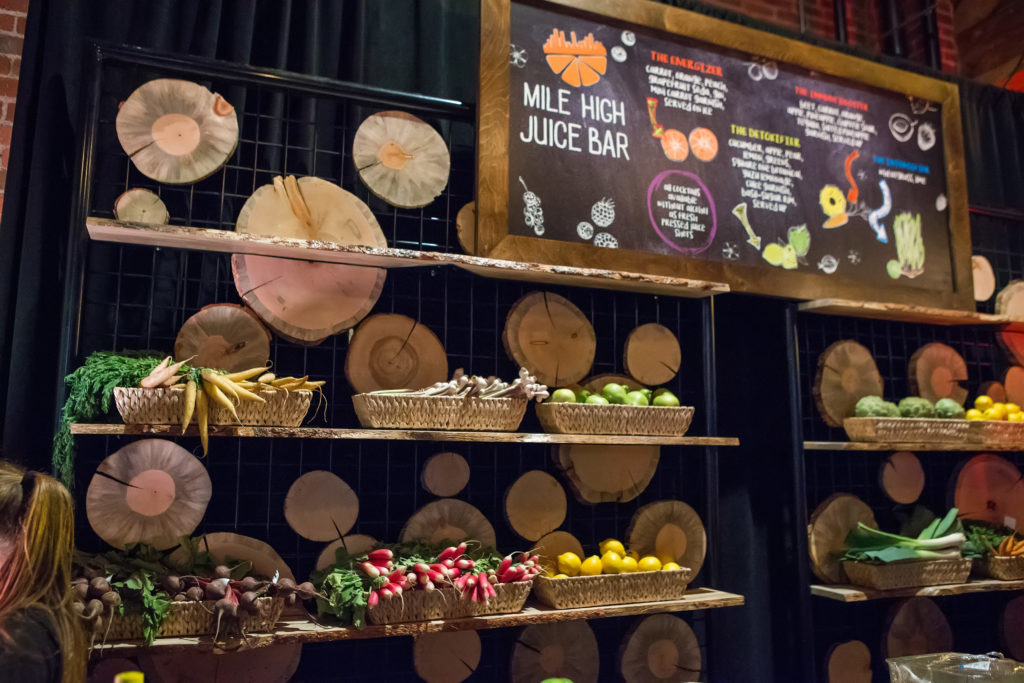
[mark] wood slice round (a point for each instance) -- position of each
(830, 523)
(902, 477)
(320, 506)
(550, 546)
(355, 544)
(535, 504)
(1012, 344)
(989, 488)
(176, 132)
(1013, 385)
(548, 335)
(392, 351)
(670, 530)
(652, 354)
(274, 664)
(224, 546)
(1011, 628)
(662, 648)
(936, 371)
(917, 627)
(449, 519)
(139, 205)
(566, 650)
(849, 662)
(401, 158)
(445, 474)
(465, 227)
(602, 474)
(984, 278)
(225, 337)
(846, 373)
(595, 383)
(1010, 300)
(104, 670)
(151, 491)
(993, 390)
(446, 657)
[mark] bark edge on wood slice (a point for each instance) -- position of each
(465, 227)
(163, 497)
(275, 664)
(445, 474)
(551, 545)
(902, 477)
(849, 662)
(548, 335)
(660, 648)
(916, 627)
(446, 657)
(846, 373)
(1010, 300)
(176, 132)
(652, 354)
(670, 530)
(223, 545)
(139, 205)
(984, 278)
(595, 383)
(830, 523)
(936, 371)
(535, 504)
(1011, 628)
(393, 351)
(563, 650)
(355, 544)
(320, 506)
(607, 474)
(1013, 385)
(224, 337)
(448, 519)
(989, 489)
(401, 158)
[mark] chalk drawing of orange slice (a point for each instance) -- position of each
(673, 143)
(579, 62)
(703, 143)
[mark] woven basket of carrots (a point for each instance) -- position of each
(1003, 561)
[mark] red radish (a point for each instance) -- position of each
(397, 575)
(449, 563)
(373, 599)
(397, 590)
(411, 578)
(440, 568)
(446, 553)
(454, 572)
(464, 564)
(371, 570)
(381, 554)
(420, 568)
(505, 564)
(386, 592)
(535, 559)
(461, 550)
(435, 576)
(429, 585)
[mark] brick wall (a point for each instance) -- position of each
(12, 33)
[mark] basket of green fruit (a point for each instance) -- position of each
(615, 410)
(915, 419)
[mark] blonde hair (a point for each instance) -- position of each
(37, 520)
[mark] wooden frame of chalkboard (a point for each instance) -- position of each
(770, 270)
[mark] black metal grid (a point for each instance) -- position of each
(137, 298)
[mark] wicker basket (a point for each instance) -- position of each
(447, 603)
(612, 589)
(906, 429)
(196, 619)
(1002, 568)
(395, 411)
(585, 418)
(907, 574)
(166, 407)
(996, 432)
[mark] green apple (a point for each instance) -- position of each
(666, 400)
(582, 395)
(615, 393)
(659, 391)
(647, 393)
(596, 400)
(562, 396)
(636, 398)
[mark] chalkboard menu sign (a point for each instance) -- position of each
(631, 146)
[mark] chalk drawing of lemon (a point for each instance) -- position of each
(833, 203)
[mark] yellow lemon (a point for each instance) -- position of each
(591, 566)
(611, 561)
(1015, 417)
(569, 564)
(634, 554)
(993, 413)
(975, 414)
(612, 545)
(561, 576)
(628, 565)
(668, 566)
(983, 402)
(649, 564)
(1011, 408)
(999, 408)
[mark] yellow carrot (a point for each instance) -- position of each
(266, 378)
(202, 420)
(224, 385)
(190, 404)
(217, 396)
(243, 374)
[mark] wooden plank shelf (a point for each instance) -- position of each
(84, 429)
(228, 241)
(903, 313)
(845, 593)
(908, 446)
(292, 629)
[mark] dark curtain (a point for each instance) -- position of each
(994, 146)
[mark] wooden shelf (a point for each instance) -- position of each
(904, 313)
(228, 241)
(293, 629)
(859, 594)
(907, 446)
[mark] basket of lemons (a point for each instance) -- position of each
(994, 422)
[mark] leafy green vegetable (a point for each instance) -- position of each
(915, 406)
(982, 539)
(344, 595)
(949, 409)
(875, 406)
(942, 538)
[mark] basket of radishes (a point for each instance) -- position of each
(416, 582)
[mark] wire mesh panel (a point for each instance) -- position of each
(138, 297)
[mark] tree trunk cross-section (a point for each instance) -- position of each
(846, 373)
(550, 336)
(989, 488)
(984, 278)
(446, 657)
(566, 650)
(140, 206)
(830, 523)
(225, 337)
(936, 371)
(449, 519)
(652, 355)
(320, 506)
(902, 477)
(607, 474)
(660, 649)
(535, 504)
(917, 627)
(392, 351)
(276, 665)
(354, 544)
(849, 662)
(670, 530)
(224, 546)
(445, 474)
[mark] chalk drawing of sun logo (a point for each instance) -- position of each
(579, 62)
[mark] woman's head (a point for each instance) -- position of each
(37, 540)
